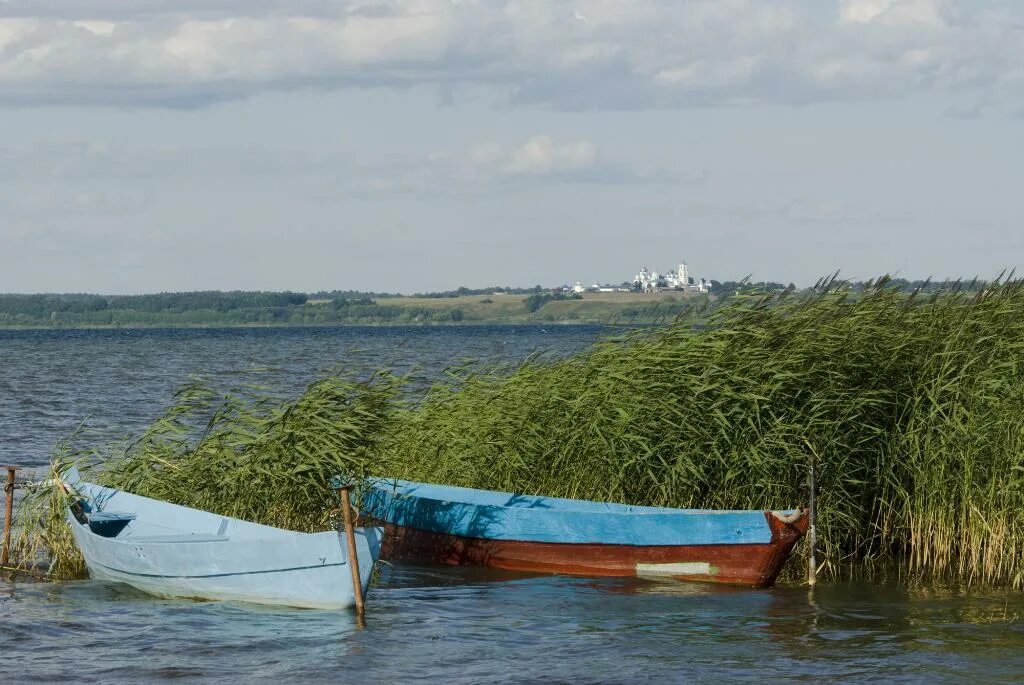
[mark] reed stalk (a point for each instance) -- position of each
(912, 405)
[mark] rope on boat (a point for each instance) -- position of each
(790, 518)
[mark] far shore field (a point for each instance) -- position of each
(486, 309)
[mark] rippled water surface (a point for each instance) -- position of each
(119, 380)
(428, 623)
(466, 626)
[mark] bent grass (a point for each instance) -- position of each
(913, 407)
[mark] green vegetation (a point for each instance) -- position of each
(912, 405)
(102, 310)
(247, 455)
(463, 305)
(727, 288)
(297, 309)
(538, 300)
(464, 291)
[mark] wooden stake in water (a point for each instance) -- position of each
(353, 559)
(812, 531)
(5, 558)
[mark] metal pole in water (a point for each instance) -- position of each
(353, 559)
(812, 531)
(8, 516)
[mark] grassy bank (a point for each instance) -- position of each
(289, 309)
(913, 407)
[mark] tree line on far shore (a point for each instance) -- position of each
(207, 309)
(211, 308)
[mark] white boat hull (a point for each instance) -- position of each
(174, 551)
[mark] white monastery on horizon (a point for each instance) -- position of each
(677, 279)
(651, 282)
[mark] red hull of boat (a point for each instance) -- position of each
(745, 564)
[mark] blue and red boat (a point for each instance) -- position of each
(464, 526)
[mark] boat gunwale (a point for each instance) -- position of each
(395, 487)
(252, 526)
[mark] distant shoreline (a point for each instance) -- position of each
(422, 325)
(200, 311)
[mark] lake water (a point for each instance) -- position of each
(428, 623)
(118, 381)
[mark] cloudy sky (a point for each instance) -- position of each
(410, 145)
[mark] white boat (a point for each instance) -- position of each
(174, 551)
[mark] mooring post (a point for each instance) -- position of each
(5, 558)
(812, 531)
(353, 558)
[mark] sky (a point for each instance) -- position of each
(418, 145)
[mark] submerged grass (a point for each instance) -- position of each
(912, 406)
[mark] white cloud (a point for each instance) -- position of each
(544, 158)
(894, 12)
(541, 155)
(568, 54)
(861, 11)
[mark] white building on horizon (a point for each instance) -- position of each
(680, 278)
(677, 279)
(648, 281)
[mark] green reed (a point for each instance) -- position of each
(43, 545)
(912, 406)
(245, 455)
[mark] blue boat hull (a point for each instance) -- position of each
(173, 551)
(448, 525)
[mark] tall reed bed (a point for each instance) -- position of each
(912, 406)
(248, 455)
